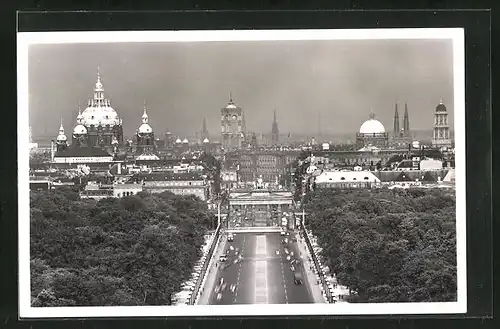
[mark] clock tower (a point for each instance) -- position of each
(232, 126)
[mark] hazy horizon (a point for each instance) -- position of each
(182, 83)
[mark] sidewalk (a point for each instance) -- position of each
(311, 277)
(211, 275)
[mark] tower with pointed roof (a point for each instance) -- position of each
(406, 122)
(401, 135)
(145, 141)
(441, 132)
(232, 126)
(204, 130)
(396, 121)
(61, 140)
(275, 133)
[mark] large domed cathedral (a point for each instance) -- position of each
(98, 125)
(372, 133)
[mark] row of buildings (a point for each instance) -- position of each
(97, 141)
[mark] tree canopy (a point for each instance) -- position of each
(136, 250)
(388, 245)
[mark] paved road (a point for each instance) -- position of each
(262, 277)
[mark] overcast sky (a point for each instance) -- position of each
(184, 82)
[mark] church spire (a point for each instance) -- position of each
(274, 130)
(204, 130)
(145, 114)
(396, 120)
(61, 128)
(406, 121)
(371, 115)
(231, 98)
(98, 90)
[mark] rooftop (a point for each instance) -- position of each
(73, 152)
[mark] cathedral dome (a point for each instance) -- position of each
(178, 141)
(372, 126)
(99, 111)
(185, 141)
(206, 140)
(145, 129)
(100, 115)
(79, 130)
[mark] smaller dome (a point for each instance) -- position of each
(114, 141)
(185, 141)
(79, 130)
(145, 129)
(178, 141)
(372, 126)
(61, 138)
(441, 107)
(206, 140)
(231, 106)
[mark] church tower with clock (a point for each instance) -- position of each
(232, 126)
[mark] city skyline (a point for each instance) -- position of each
(196, 79)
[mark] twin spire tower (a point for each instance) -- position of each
(405, 130)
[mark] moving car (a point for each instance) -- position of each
(283, 233)
(223, 258)
(230, 237)
(297, 278)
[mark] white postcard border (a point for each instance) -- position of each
(27, 38)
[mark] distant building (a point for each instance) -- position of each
(229, 179)
(99, 124)
(346, 179)
(271, 165)
(121, 190)
(177, 183)
(275, 131)
(145, 138)
(441, 132)
(204, 131)
(372, 133)
(232, 126)
(401, 135)
(87, 155)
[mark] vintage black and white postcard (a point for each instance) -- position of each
(284, 172)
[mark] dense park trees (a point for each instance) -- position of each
(131, 251)
(388, 245)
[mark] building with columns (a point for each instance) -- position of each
(265, 206)
(441, 132)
